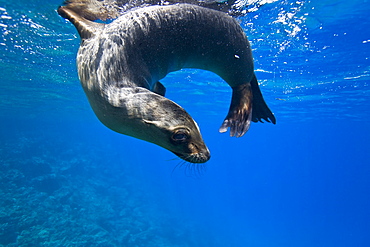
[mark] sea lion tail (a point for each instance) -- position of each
(76, 14)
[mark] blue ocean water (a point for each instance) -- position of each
(67, 180)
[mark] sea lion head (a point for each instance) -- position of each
(172, 128)
(148, 116)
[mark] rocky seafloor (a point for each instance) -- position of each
(60, 193)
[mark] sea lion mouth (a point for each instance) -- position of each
(200, 157)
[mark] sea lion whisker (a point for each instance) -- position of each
(179, 166)
(194, 170)
(202, 169)
(176, 158)
(186, 168)
(175, 167)
(189, 169)
(199, 169)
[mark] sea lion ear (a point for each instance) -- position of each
(149, 122)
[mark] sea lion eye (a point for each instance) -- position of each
(180, 136)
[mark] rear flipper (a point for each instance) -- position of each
(260, 108)
(247, 104)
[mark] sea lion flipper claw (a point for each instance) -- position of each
(237, 128)
(224, 126)
(240, 113)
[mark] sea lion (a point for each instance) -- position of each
(120, 65)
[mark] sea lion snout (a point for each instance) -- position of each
(200, 157)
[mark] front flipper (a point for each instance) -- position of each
(158, 88)
(240, 113)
